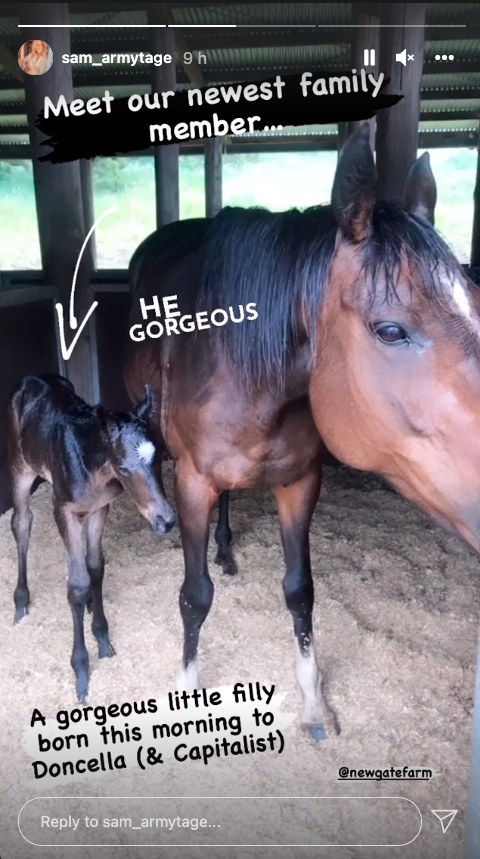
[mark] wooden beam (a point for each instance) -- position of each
(58, 198)
(213, 176)
(367, 37)
(97, 41)
(475, 255)
(125, 75)
(13, 129)
(275, 143)
(17, 109)
(342, 135)
(192, 70)
(397, 128)
(24, 294)
(452, 115)
(426, 116)
(166, 157)
(86, 178)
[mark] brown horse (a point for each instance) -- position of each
(367, 341)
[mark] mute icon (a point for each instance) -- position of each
(402, 58)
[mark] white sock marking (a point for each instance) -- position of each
(187, 678)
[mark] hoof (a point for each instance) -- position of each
(105, 650)
(325, 728)
(317, 732)
(20, 613)
(227, 564)
(82, 693)
(82, 690)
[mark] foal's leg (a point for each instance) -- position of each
(78, 591)
(94, 525)
(21, 527)
(195, 499)
(296, 504)
(223, 538)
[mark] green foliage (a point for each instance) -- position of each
(277, 181)
(15, 176)
(116, 175)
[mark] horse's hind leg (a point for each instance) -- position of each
(296, 504)
(223, 538)
(195, 500)
(78, 591)
(94, 525)
(22, 482)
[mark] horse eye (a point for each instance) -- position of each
(123, 471)
(390, 332)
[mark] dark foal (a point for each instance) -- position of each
(89, 455)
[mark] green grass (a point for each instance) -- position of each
(276, 181)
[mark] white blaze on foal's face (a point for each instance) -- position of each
(145, 452)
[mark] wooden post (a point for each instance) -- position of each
(213, 176)
(86, 178)
(58, 197)
(342, 135)
(475, 256)
(397, 127)
(166, 157)
(366, 37)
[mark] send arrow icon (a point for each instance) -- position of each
(445, 816)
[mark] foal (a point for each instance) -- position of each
(89, 455)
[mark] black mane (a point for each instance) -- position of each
(281, 261)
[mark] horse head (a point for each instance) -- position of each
(395, 384)
(132, 455)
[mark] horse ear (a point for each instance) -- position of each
(353, 193)
(144, 407)
(420, 190)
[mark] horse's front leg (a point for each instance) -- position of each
(94, 526)
(296, 504)
(195, 499)
(78, 591)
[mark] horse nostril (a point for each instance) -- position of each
(159, 525)
(170, 523)
(163, 526)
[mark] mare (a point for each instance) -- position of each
(89, 455)
(367, 342)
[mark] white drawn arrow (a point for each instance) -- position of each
(66, 353)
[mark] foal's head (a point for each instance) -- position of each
(395, 386)
(132, 455)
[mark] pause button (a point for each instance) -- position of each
(368, 58)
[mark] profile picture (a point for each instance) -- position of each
(35, 57)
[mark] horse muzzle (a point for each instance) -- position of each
(162, 525)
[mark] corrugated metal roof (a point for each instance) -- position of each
(235, 51)
(265, 13)
(445, 13)
(461, 49)
(277, 58)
